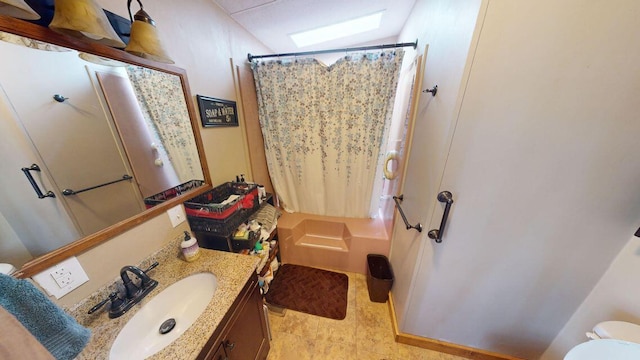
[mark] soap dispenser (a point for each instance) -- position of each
(190, 248)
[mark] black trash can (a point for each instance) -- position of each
(379, 277)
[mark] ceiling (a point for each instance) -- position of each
(271, 21)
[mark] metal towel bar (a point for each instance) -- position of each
(398, 200)
(32, 181)
(447, 198)
(68, 192)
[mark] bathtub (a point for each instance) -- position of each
(332, 243)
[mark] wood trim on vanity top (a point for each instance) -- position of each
(442, 346)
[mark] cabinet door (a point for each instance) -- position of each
(245, 339)
(219, 354)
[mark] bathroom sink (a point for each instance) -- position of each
(182, 301)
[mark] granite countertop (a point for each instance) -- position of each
(232, 272)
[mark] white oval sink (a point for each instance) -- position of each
(183, 301)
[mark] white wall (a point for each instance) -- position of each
(12, 249)
(529, 235)
(615, 297)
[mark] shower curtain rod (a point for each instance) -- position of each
(362, 48)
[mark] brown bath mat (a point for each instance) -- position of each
(309, 290)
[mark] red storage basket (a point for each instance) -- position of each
(208, 205)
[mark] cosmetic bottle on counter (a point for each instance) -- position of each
(190, 248)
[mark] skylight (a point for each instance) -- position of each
(338, 30)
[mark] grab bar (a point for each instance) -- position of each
(398, 200)
(68, 192)
(32, 181)
(443, 197)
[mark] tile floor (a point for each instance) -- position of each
(365, 334)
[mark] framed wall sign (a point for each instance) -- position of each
(217, 112)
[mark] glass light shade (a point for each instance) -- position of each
(144, 42)
(18, 9)
(84, 19)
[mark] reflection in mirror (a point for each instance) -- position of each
(148, 109)
(114, 135)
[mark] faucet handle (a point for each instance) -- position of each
(117, 303)
(151, 267)
(97, 306)
(112, 297)
(145, 281)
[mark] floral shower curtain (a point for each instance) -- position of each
(162, 104)
(323, 128)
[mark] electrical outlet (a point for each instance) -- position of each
(61, 279)
(64, 281)
(62, 276)
(60, 272)
(176, 215)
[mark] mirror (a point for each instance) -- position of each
(114, 139)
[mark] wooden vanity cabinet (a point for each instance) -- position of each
(219, 354)
(242, 333)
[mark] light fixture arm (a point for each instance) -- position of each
(144, 40)
(129, 8)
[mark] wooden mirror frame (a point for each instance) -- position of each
(44, 34)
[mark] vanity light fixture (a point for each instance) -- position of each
(18, 9)
(144, 40)
(84, 19)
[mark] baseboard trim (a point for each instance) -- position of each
(441, 346)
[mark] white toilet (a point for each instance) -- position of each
(611, 340)
(605, 349)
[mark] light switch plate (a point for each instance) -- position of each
(61, 279)
(177, 215)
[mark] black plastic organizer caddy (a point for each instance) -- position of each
(214, 224)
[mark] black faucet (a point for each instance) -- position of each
(134, 291)
(122, 301)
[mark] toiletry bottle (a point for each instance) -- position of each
(190, 248)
